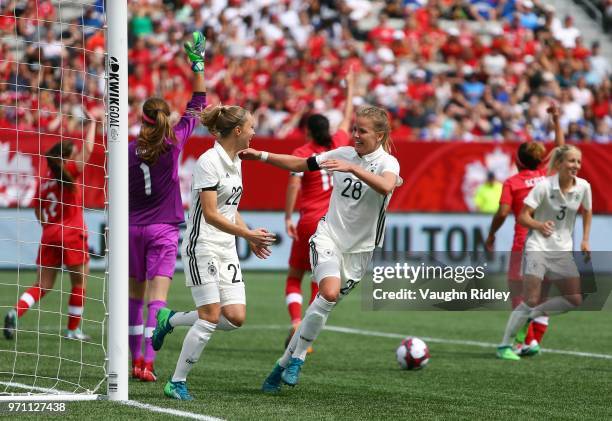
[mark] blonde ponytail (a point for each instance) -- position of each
(222, 119)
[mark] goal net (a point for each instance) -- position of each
(53, 170)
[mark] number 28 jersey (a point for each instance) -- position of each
(214, 171)
(356, 214)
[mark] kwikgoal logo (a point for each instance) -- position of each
(113, 98)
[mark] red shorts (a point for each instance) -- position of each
(71, 250)
(299, 258)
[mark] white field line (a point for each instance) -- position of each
(353, 331)
(169, 411)
(61, 395)
(362, 332)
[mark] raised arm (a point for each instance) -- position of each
(195, 51)
(554, 113)
(88, 144)
(286, 162)
(345, 124)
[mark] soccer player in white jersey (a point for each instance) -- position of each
(364, 177)
(212, 269)
(550, 213)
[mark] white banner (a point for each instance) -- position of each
(452, 233)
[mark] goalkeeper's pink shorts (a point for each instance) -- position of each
(153, 251)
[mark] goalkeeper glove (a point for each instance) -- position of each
(195, 51)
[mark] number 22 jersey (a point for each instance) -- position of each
(213, 171)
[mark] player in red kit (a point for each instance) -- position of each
(58, 205)
(529, 158)
(314, 189)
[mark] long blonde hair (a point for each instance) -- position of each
(155, 129)
(222, 119)
(557, 155)
(380, 118)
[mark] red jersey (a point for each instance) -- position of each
(317, 185)
(514, 192)
(60, 208)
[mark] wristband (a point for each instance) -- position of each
(264, 156)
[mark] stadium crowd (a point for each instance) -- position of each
(445, 69)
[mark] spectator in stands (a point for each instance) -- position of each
(567, 33)
(487, 195)
(525, 52)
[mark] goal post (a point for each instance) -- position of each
(61, 67)
(117, 138)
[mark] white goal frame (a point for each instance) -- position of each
(116, 129)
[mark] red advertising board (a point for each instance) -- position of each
(438, 176)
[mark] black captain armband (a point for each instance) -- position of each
(312, 163)
(211, 188)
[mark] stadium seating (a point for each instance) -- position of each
(445, 69)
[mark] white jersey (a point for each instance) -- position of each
(214, 170)
(552, 205)
(356, 214)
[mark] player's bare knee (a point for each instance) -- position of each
(574, 299)
(236, 320)
(210, 314)
(330, 295)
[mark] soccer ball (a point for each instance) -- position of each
(412, 354)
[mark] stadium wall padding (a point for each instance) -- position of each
(453, 233)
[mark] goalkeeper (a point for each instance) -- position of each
(156, 209)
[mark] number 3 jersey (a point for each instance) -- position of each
(214, 171)
(356, 214)
(551, 204)
(155, 194)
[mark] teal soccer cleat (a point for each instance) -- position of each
(272, 384)
(162, 328)
(292, 373)
(177, 390)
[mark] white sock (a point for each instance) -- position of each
(184, 318)
(543, 320)
(284, 360)
(555, 305)
(313, 322)
(225, 324)
(517, 318)
(196, 339)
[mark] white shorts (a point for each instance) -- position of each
(326, 259)
(215, 278)
(550, 265)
